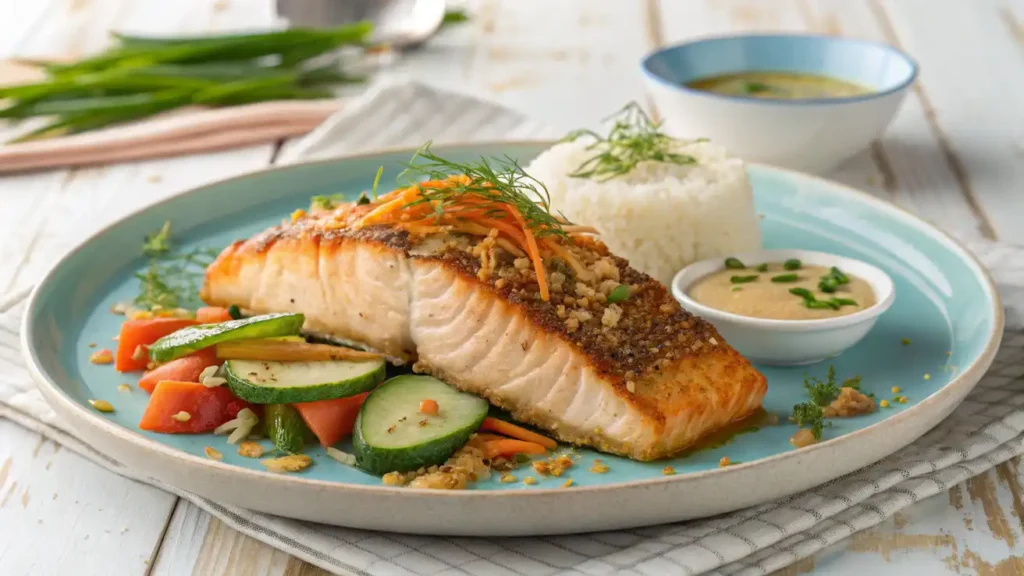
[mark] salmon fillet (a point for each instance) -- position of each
(641, 378)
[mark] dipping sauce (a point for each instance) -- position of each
(751, 291)
(778, 85)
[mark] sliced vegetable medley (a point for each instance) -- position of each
(217, 371)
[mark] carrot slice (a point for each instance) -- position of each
(510, 447)
(331, 420)
(185, 369)
(518, 432)
(135, 333)
(212, 315)
(207, 408)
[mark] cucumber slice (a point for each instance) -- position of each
(392, 435)
(266, 382)
(188, 340)
(286, 428)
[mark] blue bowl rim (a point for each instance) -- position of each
(914, 69)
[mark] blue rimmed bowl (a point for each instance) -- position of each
(808, 134)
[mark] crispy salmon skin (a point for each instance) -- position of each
(638, 376)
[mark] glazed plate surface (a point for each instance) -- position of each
(945, 306)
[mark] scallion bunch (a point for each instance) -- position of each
(143, 76)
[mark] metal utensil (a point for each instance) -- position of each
(401, 24)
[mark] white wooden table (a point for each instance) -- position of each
(955, 155)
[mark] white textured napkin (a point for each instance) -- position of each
(988, 428)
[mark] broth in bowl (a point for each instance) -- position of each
(778, 85)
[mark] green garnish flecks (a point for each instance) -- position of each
(325, 202)
(734, 264)
(632, 139)
(619, 294)
(802, 292)
(762, 267)
(792, 264)
(743, 279)
(751, 87)
(376, 181)
(235, 312)
(494, 180)
(784, 278)
(159, 242)
(172, 278)
(834, 279)
(810, 416)
(454, 16)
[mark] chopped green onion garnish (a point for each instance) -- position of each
(802, 292)
(234, 312)
(737, 288)
(743, 279)
(785, 278)
(821, 304)
(792, 264)
(762, 267)
(756, 87)
(619, 294)
(833, 280)
(844, 301)
(363, 199)
(734, 264)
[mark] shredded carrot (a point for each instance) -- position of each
(518, 432)
(533, 251)
(473, 215)
(510, 447)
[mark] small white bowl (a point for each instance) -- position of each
(789, 342)
(814, 135)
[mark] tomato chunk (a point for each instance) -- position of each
(135, 333)
(185, 369)
(207, 408)
(331, 420)
(212, 315)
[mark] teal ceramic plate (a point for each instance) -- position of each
(945, 306)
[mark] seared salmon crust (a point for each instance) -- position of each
(640, 377)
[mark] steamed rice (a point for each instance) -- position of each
(661, 216)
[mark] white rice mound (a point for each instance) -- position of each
(661, 216)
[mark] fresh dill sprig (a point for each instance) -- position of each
(494, 180)
(172, 278)
(632, 139)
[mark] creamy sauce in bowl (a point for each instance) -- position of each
(783, 291)
(778, 85)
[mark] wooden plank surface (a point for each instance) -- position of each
(952, 155)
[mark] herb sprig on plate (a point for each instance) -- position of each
(492, 180)
(173, 277)
(811, 414)
(632, 139)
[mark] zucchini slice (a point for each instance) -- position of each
(286, 428)
(188, 340)
(268, 382)
(392, 435)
